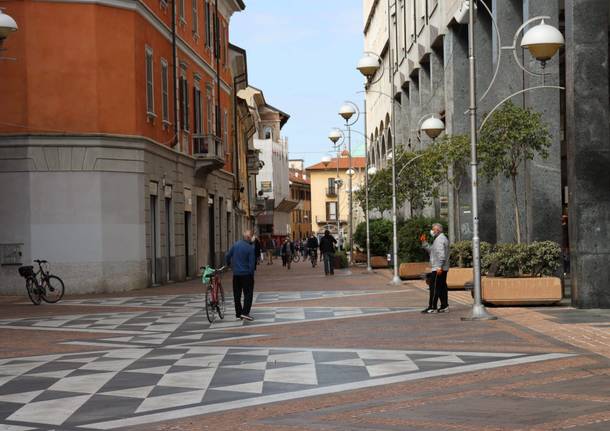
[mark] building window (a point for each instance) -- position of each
(268, 133)
(150, 93)
(331, 210)
(195, 18)
(210, 109)
(181, 11)
(197, 113)
(208, 24)
(216, 31)
(225, 127)
(184, 102)
(164, 91)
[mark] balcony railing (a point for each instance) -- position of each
(209, 152)
(331, 191)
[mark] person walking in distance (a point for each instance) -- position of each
(312, 249)
(439, 263)
(327, 249)
(270, 251)
(241, 257)
(287, 252)
(257, 251)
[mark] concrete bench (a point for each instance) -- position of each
(457, 278)
(413, 270)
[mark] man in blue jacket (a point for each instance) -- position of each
(241, 257)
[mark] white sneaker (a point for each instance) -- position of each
(246, 317)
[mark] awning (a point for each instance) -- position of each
(264, 218)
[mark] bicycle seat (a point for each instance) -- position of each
(40, 261)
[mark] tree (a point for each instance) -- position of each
(512, 136)
(416, 179)
(449, 160)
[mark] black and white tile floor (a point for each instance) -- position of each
(159, 365)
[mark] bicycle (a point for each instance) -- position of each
(214, 294)
(296, 257)
(314, 257)
(42, 285)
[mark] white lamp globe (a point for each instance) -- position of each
(7, 25)
(368, 65)
(335, 135)
(543, 41)
(372, 170)
(433, 127)
(326, 160)
(350, 172)
(347, 111)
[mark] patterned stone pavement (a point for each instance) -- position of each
(349, 353)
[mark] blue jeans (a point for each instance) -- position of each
(329, 263)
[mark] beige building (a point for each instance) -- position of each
(329, 203)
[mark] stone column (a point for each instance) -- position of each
(588, 139)
(509, 16)
(543, 176)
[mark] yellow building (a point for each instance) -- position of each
(329, 202)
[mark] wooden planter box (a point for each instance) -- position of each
(359, 257)
(521, 291)
(379, 262)
(458, 277)
(413, 270)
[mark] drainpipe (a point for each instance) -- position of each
(176, 79)
(217, 50)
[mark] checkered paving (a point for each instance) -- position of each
(198, 301)
(122, 387)
(182, 325)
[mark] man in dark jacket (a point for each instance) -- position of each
(312, 248)
(287, 252)
(327, 248)
(241, 258)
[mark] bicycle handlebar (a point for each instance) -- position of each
(40, 261)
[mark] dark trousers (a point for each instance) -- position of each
(245, 284)
(438, 290)
(329, 263)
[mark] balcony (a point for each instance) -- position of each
(331, 192)
(209, 153)
(329, 219)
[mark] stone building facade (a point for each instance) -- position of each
(117, 159)
(428, 50)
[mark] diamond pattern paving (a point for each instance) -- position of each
(109, 389)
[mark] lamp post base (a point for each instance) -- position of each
(369, 268)
(479, 313)
(396, 281)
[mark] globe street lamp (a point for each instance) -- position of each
(433, 127)
(369, 66)
(347, 111)
(7, 26)
(542, 41)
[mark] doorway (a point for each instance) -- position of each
(211, 231)
(153, 239)
(187, 241)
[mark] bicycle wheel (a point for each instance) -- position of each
(52, 289)
(210, 307)
(220, 307)
(33, 291)
(296, 258)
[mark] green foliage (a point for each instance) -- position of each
(409, 245)
(380, 235)
(544, 258)
(461, 253)
(380, 191)
(513, 260)
(512, 136)
(417, 178)
(448, 160)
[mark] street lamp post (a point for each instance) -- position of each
(347, 111)
(542, 41)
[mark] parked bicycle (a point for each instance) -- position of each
(214, 294)
(41, 285)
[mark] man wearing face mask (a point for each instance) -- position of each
(439, 263)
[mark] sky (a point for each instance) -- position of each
(303, 55)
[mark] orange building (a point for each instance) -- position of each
(117, 140)
(300, 191)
